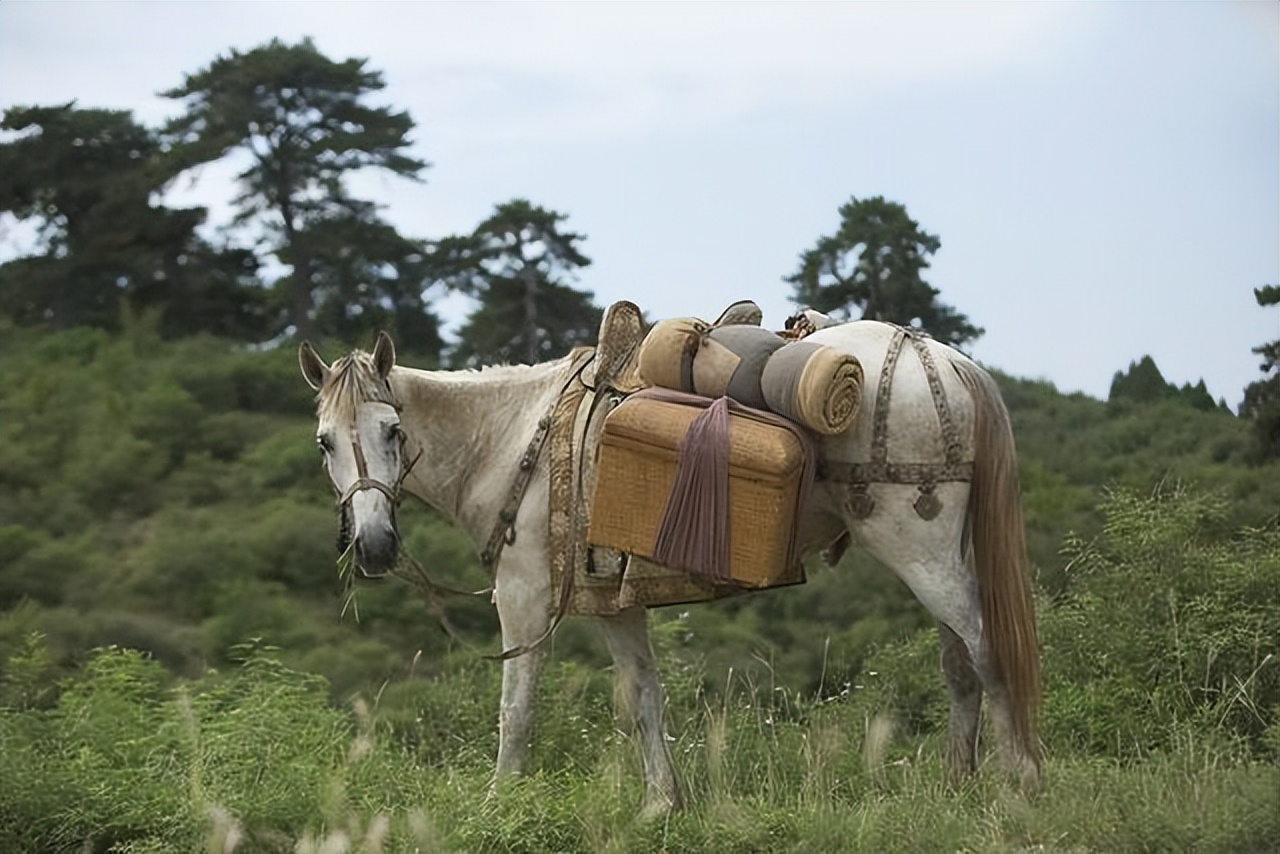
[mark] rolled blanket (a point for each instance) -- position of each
(667, 353)
(813, 384)
(731, 362)
(685, 354)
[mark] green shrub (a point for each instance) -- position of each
(1169, 625)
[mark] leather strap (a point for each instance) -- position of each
(504, 529)
(879, 469)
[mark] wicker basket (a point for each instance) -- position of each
(636, 466)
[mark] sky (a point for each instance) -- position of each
(1104, 177)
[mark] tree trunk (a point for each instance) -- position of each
(530, 276)
(300, 281)
(300, 300)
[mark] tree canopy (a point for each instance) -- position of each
(519, 264)
(305, 124)
(1143, 383)
(83, 179)
(875, 261)
(1262, 397)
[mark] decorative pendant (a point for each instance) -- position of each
(928, 505)
(860, 504)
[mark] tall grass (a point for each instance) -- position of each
(256, 760)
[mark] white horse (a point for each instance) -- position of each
(927, 484)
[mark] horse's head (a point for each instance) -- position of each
(363, 448)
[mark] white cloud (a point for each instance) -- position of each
(606, 70)
(546, 71)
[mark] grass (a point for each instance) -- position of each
(257, 761)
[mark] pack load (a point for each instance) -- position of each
(704, 486)
(812, 384)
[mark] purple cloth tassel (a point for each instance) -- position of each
(694, 533)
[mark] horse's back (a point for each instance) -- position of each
(912, 429)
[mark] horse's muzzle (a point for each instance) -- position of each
(376, 552)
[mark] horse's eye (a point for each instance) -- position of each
(324, 444)
(394, 432)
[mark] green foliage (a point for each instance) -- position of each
(256, 758)
(1143, 383)
(1071, 447)
(306, 124)
(518, 263)
(167, 497)
(128, 761)
(874, 261)
(1262, 398)
(1168, 626)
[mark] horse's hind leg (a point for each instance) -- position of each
(1013, 755)
(966, 683)
(927, 554)
(638, 696)
(965, 689)
(968, 672)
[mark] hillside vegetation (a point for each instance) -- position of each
(181, 666)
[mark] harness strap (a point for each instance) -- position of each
(879, 469)
(363, 481)
(950, 435)
(504, 529)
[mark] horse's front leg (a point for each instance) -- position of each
(523, 612)
(640, 702)
(515, 714)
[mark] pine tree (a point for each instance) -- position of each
(85, 179)
(305, 124)
(518, 264)
(1262, 397)
(875, 262)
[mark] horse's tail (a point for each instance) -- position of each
(1000, 556)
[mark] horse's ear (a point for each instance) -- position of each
(384, 355)
(314, 370)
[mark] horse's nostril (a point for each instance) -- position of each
(376, 553)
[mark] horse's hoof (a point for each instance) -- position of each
(658, 807)
(1030, 779)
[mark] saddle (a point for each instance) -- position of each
(603, 580)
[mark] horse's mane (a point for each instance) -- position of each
(352, 380)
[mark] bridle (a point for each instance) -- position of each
(364, 482)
